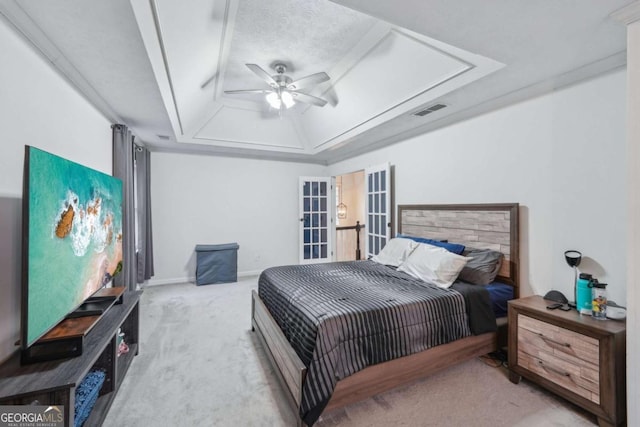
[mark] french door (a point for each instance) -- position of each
(378, 208)
(316, 223)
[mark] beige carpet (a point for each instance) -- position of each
(199, 365)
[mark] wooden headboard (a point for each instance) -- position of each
(492, 226)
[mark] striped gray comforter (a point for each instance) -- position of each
(342, 317)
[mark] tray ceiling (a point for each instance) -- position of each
(378, 71)
(162, 66)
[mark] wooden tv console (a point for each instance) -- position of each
(66, 339)
(55, 382)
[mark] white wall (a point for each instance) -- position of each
(633, 212)
(39, 108)
(212, 200)
(560, 156)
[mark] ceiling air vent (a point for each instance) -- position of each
(429, 110)
(165, 137)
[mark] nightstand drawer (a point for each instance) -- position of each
(537, 335)
(581, 380)
(563, 357)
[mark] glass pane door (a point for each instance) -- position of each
(315, 219)
(377, 206)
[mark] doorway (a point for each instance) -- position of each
(350, 212)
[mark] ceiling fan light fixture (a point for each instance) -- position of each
(287, 99)
(284, 90)
(274, 100)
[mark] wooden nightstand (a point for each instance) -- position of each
(573, 355)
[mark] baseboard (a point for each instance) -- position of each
(192, 279)
(249, 273)
(175, 281)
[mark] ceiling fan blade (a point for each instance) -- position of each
(308, 99)
(310, 80)
(248, 91)
(262, 74)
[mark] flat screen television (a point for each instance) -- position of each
(72, 238)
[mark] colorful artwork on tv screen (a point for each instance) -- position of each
(74, 237)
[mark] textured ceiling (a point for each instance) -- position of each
(308, 36)
(161, 66)
(97, 46)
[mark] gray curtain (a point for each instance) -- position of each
(143, 202)
(123, 168)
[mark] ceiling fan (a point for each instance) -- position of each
(284, 92)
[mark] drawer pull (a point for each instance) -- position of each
(552, 341)
(554, 370)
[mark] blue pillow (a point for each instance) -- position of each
(451, 247)
(87, 395)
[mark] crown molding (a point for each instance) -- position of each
(27, 29)
(628, 14)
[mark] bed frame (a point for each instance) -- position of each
(492, 226)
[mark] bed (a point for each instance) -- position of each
(307, 382)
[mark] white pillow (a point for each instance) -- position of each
(434, 265)
(395, 252)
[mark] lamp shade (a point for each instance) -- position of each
(276, 99)
(287, 99)
(573, 257)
